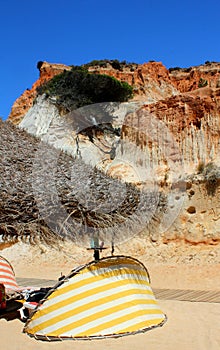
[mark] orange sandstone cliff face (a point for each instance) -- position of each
(189, 79)
(151, 82)
(185, 102)
(25, 101)
(192, 120)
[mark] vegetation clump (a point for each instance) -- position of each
(200, 167)
(211, 173)
(212, 177)
(202, 83)
(174, 68)
(115, 64)
(78, 87)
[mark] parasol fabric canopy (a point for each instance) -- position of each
(110, 297)
(7, 275)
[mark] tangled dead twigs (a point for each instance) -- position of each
(47, 196)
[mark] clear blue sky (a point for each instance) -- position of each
(178, 33)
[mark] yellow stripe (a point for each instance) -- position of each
(96, 330)
(114, 263)
(106, 271)
(90, 292)
(90, 305)
(92, 279)
(142, 325)
(101, 314)
(47, 310)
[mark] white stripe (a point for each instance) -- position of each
(80, 276)
(107, 280)
(91, 298)
(93, 310)
(6, 268)
(118, 328)
(7, 280)
(95, 323)
(7, 274)
(95, 285)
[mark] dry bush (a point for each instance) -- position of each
(47, 196)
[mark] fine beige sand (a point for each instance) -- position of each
(190, 325)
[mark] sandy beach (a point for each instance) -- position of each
(190, 325)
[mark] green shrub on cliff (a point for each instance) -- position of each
(115, 64)
(77, 88)
(202, 83)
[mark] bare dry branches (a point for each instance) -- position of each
(46, 195)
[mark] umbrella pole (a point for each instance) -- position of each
(96, 247)
(96, 254)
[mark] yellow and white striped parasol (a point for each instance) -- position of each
(110, 297)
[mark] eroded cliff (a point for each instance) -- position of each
(24, 102)
(161, 138)
(150, 81)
